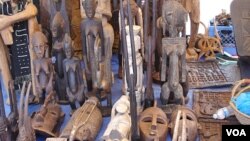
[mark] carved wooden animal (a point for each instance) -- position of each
(26, 131)
(120, 123)
(73, 75)
(85, 123)
(174, 17)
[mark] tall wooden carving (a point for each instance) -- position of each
(42, 66)
(17, 40)
(173, 52)
(94, 53)
(73, 75)
(131, 68)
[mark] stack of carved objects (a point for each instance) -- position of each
(207, 46)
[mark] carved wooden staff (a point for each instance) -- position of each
(4, 136)
(131, 74)
(150, 42)
(13, 116)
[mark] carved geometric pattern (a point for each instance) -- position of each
(205, 74)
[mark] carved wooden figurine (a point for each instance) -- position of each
(120, 123)
(94, 52)
(26, 131)
(153, 124)
(43, 66)
(139, 85)
(173, 51)
(47, 121)
(18, 40)
(184, 124)
(73, 75)
(85, 123)
(58, 33)
(103, 13)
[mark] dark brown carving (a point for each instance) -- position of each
(48, 119)
(85, 123)
(58, 29)
(153, 124)
(13, 116)
(173, 54)
(149, 93)
(43, 66)
(184, 124)
(4, 132)
(174, 17)
(94, 53)
(73, 75)
(26, 131)
(131, 74)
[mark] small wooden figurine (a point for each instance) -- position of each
(58, 33)
(139, 85)
(85, 123)
(73, 75)
(120, 123)
(43, 66)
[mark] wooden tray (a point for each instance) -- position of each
(205, 74)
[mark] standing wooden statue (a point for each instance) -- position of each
(94, 51)
(43, 66)
(73, 75)
(103, 13)
(58, 32)
(173, 52)
(15, 30)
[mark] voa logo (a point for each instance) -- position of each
(236, 132)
